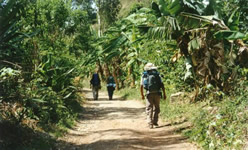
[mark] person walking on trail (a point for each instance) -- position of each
(110, 86)
(95, 84)
(152, 83)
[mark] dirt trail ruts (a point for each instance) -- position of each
(119, 125)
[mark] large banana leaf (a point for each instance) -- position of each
(115, 43)
(163, 8)
(112, 55)
(233, 21)
(229, 35)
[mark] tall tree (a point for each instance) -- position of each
(107, 11)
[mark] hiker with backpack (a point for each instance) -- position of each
(110, 86)
(152, 83)
(95, 84)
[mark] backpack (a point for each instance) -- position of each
(95, 79)
(111, 82)
(152, 81)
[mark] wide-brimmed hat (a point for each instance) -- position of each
(150, 66)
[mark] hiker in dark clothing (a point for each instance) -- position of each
(152, 83)
(95, 84)
(110, 86)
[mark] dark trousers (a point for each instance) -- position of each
(110, 92)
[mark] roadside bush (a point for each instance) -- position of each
(10, 80)
(49, 100)
(223, 124)
(221, 127)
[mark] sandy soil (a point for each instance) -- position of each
(120, 125)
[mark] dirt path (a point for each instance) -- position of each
(119, 125)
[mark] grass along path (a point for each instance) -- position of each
(119, 125)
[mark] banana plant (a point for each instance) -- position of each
(128, 33)
(200, 32)
(123, 40)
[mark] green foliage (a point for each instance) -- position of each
(235, 12)
(108, 11)
(224, 123)
(45, 45)
(129, 93)
(178, 111)
(222, 126)
(183, 21)
(9, 79)
(38, 67)
(229, 35)
(215, 124)
(131, 6)
(9, 18)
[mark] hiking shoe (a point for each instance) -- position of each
(155, 124)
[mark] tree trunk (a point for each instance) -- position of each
(183, 44)
(99, 66)
(133, 80)
(115, 70)
(106, 70)
(99, 20)
(118, 71)
(131, 76)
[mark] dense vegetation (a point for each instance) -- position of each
(47, 47)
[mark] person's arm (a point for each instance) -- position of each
(142, 88)
(142, 92)
(91, 82)
(164, 92)
(163, 89)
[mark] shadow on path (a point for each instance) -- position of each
(140, 140)
(119, 125)
(89, 96)
(98, 113)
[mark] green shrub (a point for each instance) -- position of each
(10, 80)
(222, 126)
